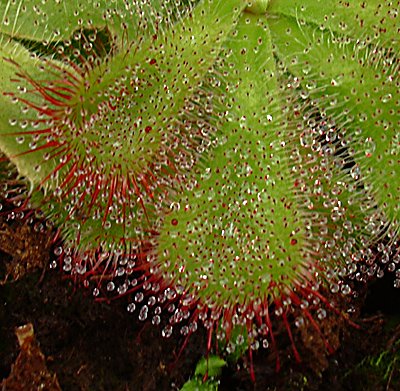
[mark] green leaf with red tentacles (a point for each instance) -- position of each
(12, 120)
(244, 182)
(230, 170)
(244, 234)
(357, 87)
(115, 133)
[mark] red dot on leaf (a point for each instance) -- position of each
(174, 222)
(147, 129)
(293, 242)
(153, 61)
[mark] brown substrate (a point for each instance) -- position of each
(93, 346)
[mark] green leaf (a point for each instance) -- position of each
(211, 365)
(370, 20)
(357, 88)
(55, 20)
(137, 99)
(241, 217)
(198, 385)
(12, 119)
(199, 150)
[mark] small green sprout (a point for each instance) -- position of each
(205, 377)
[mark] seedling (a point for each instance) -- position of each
(206, 374)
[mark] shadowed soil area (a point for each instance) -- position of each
(97, 346)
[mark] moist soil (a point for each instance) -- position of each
(89, 345)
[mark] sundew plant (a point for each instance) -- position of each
(218, 162)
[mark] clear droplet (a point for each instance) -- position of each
(355, 172)
(58, 251)
(370, 146)
(299, 321)
(321, 313)
(345, 289)
(167, 331)
(143, 313)
(156, 320)
(386, 98)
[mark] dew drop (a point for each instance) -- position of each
(240, 339)
(321, 313)
(255, 345)
(58, 251)
(386, 98)
(80, 268)
(306, 139)
(139, 297)
(304, 304)
(156, 320)
(306, 69)
(122, 289)
(184, 330)
(334, 288)
(151, 301)
(345, 289)
(391, 267)
(355, 172)
(311, 85)
(53, 264)
(143, 313)
(369, 147)
(299, 321)
(167, 331)
(192, 327)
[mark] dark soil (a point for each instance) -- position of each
(97, 346)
